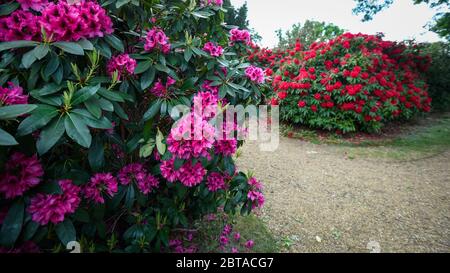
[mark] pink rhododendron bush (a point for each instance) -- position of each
(91, 150)
(354, 82)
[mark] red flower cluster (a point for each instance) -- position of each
(353, 82)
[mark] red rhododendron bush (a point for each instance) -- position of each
(91, 147)
(354, 82)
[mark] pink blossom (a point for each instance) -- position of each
(130, 172)
(20, 25)
(223, 240)
(147, 183)
(123, 64)
(100, 183)
(255, 74)
(13, 94)
(37, 5)
(213, 50)
(160, 89)
(238, 35)
(249, 244)
(45, 208)
(225, 147)
(207, 87)
(212, 2)
(20, 174)
(168, 170)
(156, 38)
(86, 19)
(257, 198)
(255, 184)
(227, 229)
(215, 182)
(190, 174)
(237, 236)
(192, 137)
(234, 250)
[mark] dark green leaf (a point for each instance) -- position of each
(96, 156)
(28, 59)
(142, 67)
(119, 111)
(86, 44)
(147, 78)
(111, 95)
(93, 106)
(152, 111)
(40, 117)
(12, 224)
(101, 123)
(77, 129)
(66, 232)
(30, 230)
(51, 66)
(41, 51)
(8, 8)
(50, 135)
(16, 44)
(13, 111)
(70, 47)
(130, 197)
(115, 42)
(6, 139)
(85, 93)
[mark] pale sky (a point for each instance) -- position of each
(402, 20)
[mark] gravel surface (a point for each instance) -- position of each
(319, 200)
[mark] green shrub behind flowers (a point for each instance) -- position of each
(354, 82)
(86, 146)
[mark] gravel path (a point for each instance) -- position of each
(319, 200)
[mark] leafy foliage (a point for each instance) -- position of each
(87, 123)
(308, 33)
(370, 8)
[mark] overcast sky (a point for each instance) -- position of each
(402, 20)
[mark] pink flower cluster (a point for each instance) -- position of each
(255, 193)
(238, 35)
(213, 50)
(123, 64)
(65, 22)
(160, 89)
(98, 185)
(212, 2)
(20, 174)
(37, 5)
(13, 94)
(255, 74)
(215, 182)
(156, 38)
(188, 174)
(136, 172)
(192, 137)
(20, 25)
(61, 21)
(45, 208)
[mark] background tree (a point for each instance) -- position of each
(236, 16)
(369, 8)
(308, 33)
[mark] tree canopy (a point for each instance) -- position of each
(369, 8)
(308, 33)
